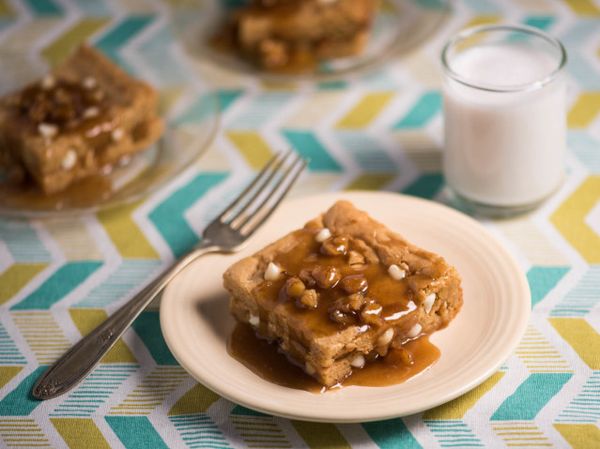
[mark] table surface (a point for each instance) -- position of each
(378, 131)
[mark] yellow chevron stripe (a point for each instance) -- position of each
(168, 97)
(582, 337)
(580, 436)
(316, 108)
(370, 181)
(151, 393)
(21, 37)
(7, 373)
(16, 277)
(74, 239)
(87, 320)
(80, 433)
(196, 400)
(252, 146)
(5, 9)
(42, 334)
(22, 432)
(260, 431)
(583, 7)
(457, 408)
(367, 109)
(517, 434)
(58, 50)
(569, 219)
(585, 110)
(484, 19)
(538, 355)
(421, 149)
(319, 435)
(125, 234)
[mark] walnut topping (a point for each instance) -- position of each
(326, 276)
(355, 258)
(340, 317)
(294, 287)
(335, 246)
(405, 356)
(371, 314)
(306, 276)
(309, 299)
(355, 283)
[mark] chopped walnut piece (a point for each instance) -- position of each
(371, 314)
(405, 356)
(306, 276)
(340, 317)
(355, 283)
(309, 299)
(355, 258)
(326, 276)
(294, 287)
(335, 246)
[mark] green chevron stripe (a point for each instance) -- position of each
(19, 402)
(80, 32)
(531, 396)
(307, 144)
(135, 432)
(391, 434)
(168, 216)
(62, 282)
(425, 186)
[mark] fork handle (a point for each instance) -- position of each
(81, 359)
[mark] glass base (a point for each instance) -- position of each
(492, 211)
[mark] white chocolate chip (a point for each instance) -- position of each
(323, 235)
(254, 320)
(48, 82)
(414, 331)
(428, 303)
(69, 160)
(396, 272)
(117, 134)
(309, 368)
(272, 272)
(386, 337)
(47, 130)
(89, 82)
(358, 361)
(90, 112)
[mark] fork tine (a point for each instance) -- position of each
(270, 203)
(258, 180)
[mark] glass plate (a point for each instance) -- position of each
(399, 26)
(186, 137)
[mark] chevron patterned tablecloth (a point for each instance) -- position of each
(380, 130)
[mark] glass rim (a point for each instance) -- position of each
(496, 88)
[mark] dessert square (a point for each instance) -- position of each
(291, 35)
(79, 120)
(342, 292)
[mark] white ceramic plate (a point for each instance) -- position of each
(196, 324)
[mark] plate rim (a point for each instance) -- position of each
(522, 319)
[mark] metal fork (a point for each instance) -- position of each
(226, 234)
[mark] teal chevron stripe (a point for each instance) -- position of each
(261, 109)
(147, 327)
(366, 151)
(23, 242)
(585, 407)
(425, 186)
(44, 7)
(94, 390)
(93, 8)
(579, 66)
(116, 38)
(541, 22)
(205, 106)
(160, 59)
(168, 216)
(239, 410)
(482, 6)
(542, 280)
(19, 402)
(582, 298)
(422, 112)
(381, 80)
(136, 432)
(391, 434)
(199, 431)
(585, 147)
(453, 433)
(126, 277)
(9, 352)
(531, 396)
(308, 146)
(62, 282)
(332, 85)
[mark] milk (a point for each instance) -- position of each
(504, 148)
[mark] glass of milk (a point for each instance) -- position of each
(504, 117)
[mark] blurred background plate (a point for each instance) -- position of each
(399, 27)
(188, 134)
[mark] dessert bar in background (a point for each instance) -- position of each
(79, 120)
(342, 292)
(293, 35)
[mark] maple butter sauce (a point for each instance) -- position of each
(336, 310)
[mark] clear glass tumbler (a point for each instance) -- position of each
(504, 117)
